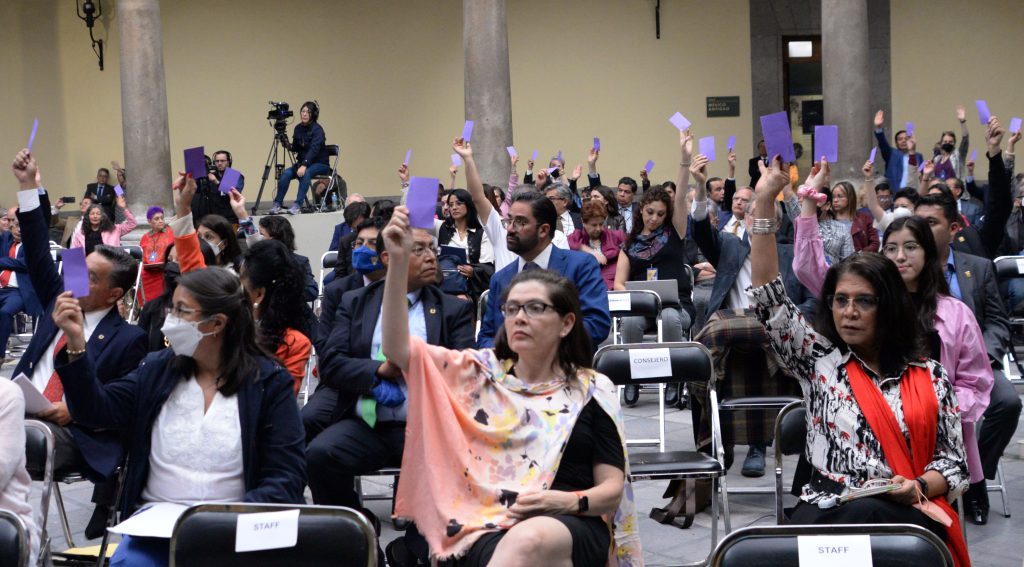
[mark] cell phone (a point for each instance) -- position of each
(864, 493)
(67, 199)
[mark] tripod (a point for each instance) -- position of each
(277, 156)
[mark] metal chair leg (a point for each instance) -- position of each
(1000, 487)
(726, 515)
(63, 515)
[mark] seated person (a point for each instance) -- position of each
(15, 484)
(368, 269)
(16, 291)
(99, 228)
(526, 490)
(598, 240)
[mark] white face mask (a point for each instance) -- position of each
(215, 246)
(184, 336)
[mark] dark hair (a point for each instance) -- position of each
(106, 225)
(707, 184)
(124, 268)
(383, 209)
(218, 291)
(851, 198)
(827, 191)
(354, 211)
(653, 194)
(278, 228)
(494, 194)
(931, 282)
(542, 208)
(609, 199)
(463, 196)
(944, 202)
(593, 210)
(955, 182)
(628, 181)
(575, 350)
(908, 193)
(103, 170)
(667, 184)
(314, 110)
(898, 334)
(223, 229)
(897, 134)
(948, 133)
(270, 265)
(883, 186)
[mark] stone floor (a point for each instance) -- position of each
(993, 545)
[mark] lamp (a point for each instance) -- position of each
(88, 11)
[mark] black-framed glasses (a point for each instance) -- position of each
(863, 302)
(532, 308)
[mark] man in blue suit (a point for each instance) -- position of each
(16, 291)
(114, 347)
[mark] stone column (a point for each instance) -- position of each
(147, 158)
(847, 81)
(488, 96)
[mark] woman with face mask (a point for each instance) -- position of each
(154, 248)
(218, 232)
(211, 419)
(949, 160)
(98, 228)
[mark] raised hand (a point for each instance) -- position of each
(879, 119)
(183, 189)
(819, 174)
(994, 136)
(68, 316)
(121, 203)
(868, 169)
(592, 156)
(732, 164)
(24, 169)
(515, 160)
(772, 179)
(576, 172)
(403, 173)
(961, 113)
(398, 233)
(540, 177)
(698, 169)
(462, 148)
(237, 200)
(686, 145)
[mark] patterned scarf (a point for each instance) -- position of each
(647, 246)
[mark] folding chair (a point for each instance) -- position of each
(307, 378)
(638, 303)
(327, 263)
(204, 536)
(892, 545)
(790, 439)
(133, 297)
(13, 540)
(481, 309)
(677, 361)
(333, 152)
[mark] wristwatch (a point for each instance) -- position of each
(584, 503)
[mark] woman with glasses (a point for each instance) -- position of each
(467, 272)
(514, 453)
(868, 386)
(212, 419)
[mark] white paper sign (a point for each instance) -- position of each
(1020, 266)
(650, 363)
(267, 530)
(619, 302)
(835, 551)
(156, 521)
(35, 402)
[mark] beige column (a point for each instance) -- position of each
(847, 81)
(488, 96)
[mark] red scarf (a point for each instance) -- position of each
(920, 411)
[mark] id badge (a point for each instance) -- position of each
(652, 274)
(152, 256)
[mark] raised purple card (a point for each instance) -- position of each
(76, 274)
(597, 144)
(408, 157)
(777, 136)
(983, 112)
(195, 162)
(920, 167)
(230, 179)
(910, 129)
(467, 130)
(551, 170)
(535, 154)
(1014, 125)
(679, 121)
(456, 160)
(32, 136)
(649, 166)
(974, 155)
(730, 145)
(118, 191)
(874, 152)
(511, 151)
(559, 158)
(826, 143)
(422, 202)
(706, 146)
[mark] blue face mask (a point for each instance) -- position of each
(365, 260)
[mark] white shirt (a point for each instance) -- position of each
(486, 249)
(497, 233)
(195, 456)
(14, 275)
(44, 368)
(542, 260)
(736, 225)
(567, 224)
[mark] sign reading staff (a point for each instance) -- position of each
(835, 551)
(267, 530)
(650, 363)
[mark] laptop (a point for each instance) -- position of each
(667, 290)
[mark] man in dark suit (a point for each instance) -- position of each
(16, 291)
(114, 347)
(761, 157)
(625, 200)
(102, 192)
(355, 424)
(369, 270)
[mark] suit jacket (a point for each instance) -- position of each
(346, 364)
(106, 199)
(18, 265)
(972, 211)
(893, 160)
(341, 230)
(979, 289)
(754, 170)
(581, 269)
(114, 349)
(329, 306)
(968, 241)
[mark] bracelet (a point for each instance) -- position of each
(404, 185)
(924, 485)
(764, 226)
(76, 352)
(684, 164)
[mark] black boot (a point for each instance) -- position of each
(630, 396)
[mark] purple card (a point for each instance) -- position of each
(826, 143)
(910, 129)
(707, 147)
(920, 167)
(511, 151)
(1014, 125)
(874, 151)
(974, 155)
(456, 160)
(422, 202)
(730, 145)
(551, 170)
(32, 136)
(777, 136)
(408, 157)
(76, 274)
(597, 144)
(195, 162)
(983, 112)
(535, 154)
(467, 130)
(230, 179)
(679, 121)
(560, 156)
(649, 166)
(118, 191)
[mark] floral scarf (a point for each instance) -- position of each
(647, 246)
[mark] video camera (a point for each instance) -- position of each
(279, 114)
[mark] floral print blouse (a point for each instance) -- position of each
(840, 444)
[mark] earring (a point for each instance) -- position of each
(256, 305)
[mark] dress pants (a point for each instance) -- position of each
(10, 305)
(999, 423)
(870, 510)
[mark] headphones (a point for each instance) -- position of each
(314, 109)
(227, 153)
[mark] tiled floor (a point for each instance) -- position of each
(994, 545)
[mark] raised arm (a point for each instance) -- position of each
(868, 194)
(965, 136)
(473, 183)
(129, 223)
(186, 241)
(764, 254)
(809, 263)
(998, 197)
(680, 210)
(395, 307)
(883, 144)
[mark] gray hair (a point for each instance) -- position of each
(563, 191)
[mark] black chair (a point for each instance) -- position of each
(647, 304)
(481, 310)
(328, 262)
(790, 439)
(204, 536)
(688, 362)
(13, 540)
(333, 182)
(892, 545)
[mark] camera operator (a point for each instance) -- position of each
(208, 198)
(308, 143)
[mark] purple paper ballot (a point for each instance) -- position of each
(408, 157)
(777, 136)
(467, 130)
(910, 129)
(551, 170)
(118, 191)
(535, 154)
(560, 156)
(730, 145)
(511, 151)
(422, 202)
(983, 112)
(597, 144)
(32, 136)
(920, 167)
(707, 147)
(195, 162)
(230, 179)
(76, 274)
(826, 143)
(1014, 125)
(649, 166)
(871, 158)
(679, 121)
(974, 155)
(456, 160)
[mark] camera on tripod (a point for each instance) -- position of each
(279, 114)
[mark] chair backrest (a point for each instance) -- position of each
(634, 303)
(204, 536)
(134, 251)
(892, 545)
(791, 429)
(333, 149)
(481, 310)
(39, 458)
(654, 363)
(329, 260)
(1009, 267)
(13, 540)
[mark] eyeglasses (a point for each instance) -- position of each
(519, 223)
(420, 249)
(180, 311)
(865, 303)
(372, 243)
(909, 247)
(532, 309)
